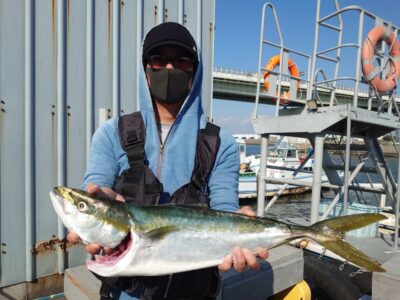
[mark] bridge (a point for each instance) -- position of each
(240, 85)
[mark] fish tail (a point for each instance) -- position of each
(330, 234)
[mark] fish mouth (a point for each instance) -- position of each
(61, 201)
(59, 204)
(63, 193)
(117, 254)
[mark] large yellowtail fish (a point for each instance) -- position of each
(158, 240)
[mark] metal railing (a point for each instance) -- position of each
(317, 81)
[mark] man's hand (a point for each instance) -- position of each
(240, 258)
(94, 189)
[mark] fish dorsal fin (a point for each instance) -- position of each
(159, 233)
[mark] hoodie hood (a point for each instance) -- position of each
(178, 151)
(192, 102)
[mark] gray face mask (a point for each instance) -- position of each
(169, 85)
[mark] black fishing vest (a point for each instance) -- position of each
(139, 185)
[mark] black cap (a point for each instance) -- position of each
(169, 33)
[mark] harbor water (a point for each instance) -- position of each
(254, 149)
(299, 205)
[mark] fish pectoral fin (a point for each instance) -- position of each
(159, 233)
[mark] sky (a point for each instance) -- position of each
(237, 39)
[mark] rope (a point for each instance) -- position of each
(322, 253)
(359, 271)
(341, 267)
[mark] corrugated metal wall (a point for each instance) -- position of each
(64, 66)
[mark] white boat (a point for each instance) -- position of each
(282, 162)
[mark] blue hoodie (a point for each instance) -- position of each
(174, 168)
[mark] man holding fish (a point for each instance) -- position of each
(168, 154)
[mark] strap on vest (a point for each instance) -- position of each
(105, 290)
(208, 144)
(106, 285)
(132, 136)
(211, 129)
(137, 181)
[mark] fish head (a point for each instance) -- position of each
(96, 220)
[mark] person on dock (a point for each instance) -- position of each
(168, 153)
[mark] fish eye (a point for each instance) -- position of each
(82, 206)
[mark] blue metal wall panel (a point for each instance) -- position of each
(45, 127)
(45, 74)
(12, 209)
(153, 12)
(131, 33)
(207, 49)
(24, 182)
(102, 57)
(173, 11)
(191, 19)
(76, 88)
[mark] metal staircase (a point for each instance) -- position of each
(317, 120)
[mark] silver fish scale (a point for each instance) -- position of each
(185, 250)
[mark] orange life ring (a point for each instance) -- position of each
(371, 73)
(294, 71)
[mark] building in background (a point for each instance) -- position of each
(65, 67)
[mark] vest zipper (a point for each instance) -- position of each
(162, 147)
(160, 160)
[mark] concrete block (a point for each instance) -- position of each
(80, 283)
(387, 285)
(38, 288)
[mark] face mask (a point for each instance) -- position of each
(169, 85)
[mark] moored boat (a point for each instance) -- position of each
(282, 163)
